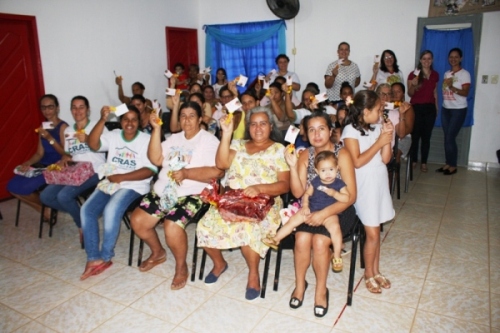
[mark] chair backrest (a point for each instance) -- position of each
(112, 125)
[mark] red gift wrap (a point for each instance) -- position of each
(74, 175)
(234, 206)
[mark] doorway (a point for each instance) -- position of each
(21, 84)
(182, 46)
(474, 21)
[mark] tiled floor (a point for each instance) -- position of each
(442, 254)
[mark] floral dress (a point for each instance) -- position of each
(245, 170)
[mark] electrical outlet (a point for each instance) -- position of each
(485, 79)
(294, 51)
(494, 79)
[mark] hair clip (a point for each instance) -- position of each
(349, 100)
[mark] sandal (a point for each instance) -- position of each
(150, 263)
(423, 168)
(337, 265)
(96, 269)
(382, 281)
(179, 285)
(269, 241)
(372, 285)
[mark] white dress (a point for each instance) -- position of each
(374, 203)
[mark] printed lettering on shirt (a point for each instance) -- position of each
(183, 154)
(76, 147)
(125, 158)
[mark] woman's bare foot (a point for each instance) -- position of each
(180, 278)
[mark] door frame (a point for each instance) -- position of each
(30, 21)
(168, 31)
(476, 23)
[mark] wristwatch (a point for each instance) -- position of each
(51, 142)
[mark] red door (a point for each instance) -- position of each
(21, 84)
(182, 46)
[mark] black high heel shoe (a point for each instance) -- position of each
(296, 303)
(320, 311)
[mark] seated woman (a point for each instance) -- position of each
(221, 80)
(137, 89)
(64, 197)
(196, 147)
(402, 116)
(129, 178)
(49, 151)
(256, 165)
(140, 103)
(281, 106)
(312, 234)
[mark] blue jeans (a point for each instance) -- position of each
(112, 207)
(452, 120)
(63, 197)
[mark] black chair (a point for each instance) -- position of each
(112, 125)
(195, 219)
(52, 220)
(126, 221)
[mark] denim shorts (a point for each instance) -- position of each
(180, 214)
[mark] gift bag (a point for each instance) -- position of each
(75, 174)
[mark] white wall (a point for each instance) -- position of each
(485, 138)
(321, 25)
(82, 42)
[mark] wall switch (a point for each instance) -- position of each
(494, 79)
(294, 51)
(485, 79)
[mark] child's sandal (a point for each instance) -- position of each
(372, 285)
(337, 265)
(269, 241)
(382, 281)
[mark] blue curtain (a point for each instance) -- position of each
(244, 48)
(440, 42)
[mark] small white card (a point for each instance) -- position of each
(69, 134)
(321, 97)
(389, 106)
(121, 110)
(234, 105)
(168, 74)
(416, 72)
(242, 80)
(207, 70)
(272, 72)
(266, 85)
(340, 61)
(171, 92)
(447, 75)
(218, 106)
(262, 77)
(47, 125)
(289, 81)
(291, 134)
(367, 85)
(376, 58)
(265, 101)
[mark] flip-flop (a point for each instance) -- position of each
(180, 285)
(102, 267)
(150, 263)
(89, 270)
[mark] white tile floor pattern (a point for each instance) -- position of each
(441, 254)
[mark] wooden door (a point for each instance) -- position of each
(182, 46)
(21, 84)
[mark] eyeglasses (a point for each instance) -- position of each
(386, 94)
(387, 57)
(226, 96)
(47, 107)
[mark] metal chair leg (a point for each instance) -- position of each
(131, 247)
(195, 258)
(352, 269)
(202, 264)
(139, 255)
(18, 211)
(408, 173)
(265, 274)
(41, 222)
(277, 270)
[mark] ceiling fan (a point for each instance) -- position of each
(285, 9)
